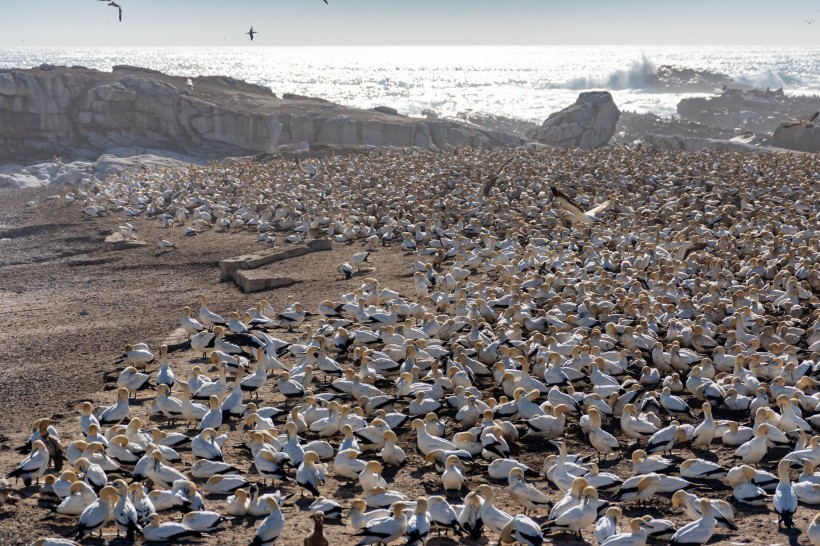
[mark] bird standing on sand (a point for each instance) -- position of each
(317, 537)
(251, 32)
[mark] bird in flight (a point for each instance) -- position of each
(810, 21)
(574, 212)
(115, 5)
(251, 32)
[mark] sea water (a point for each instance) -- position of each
(524, 83)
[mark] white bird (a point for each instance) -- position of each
(525, 494)
(576, 213)
(33, 466)
(384, 531)
(636, 536)
(155, 531)
(522, 530)
(753, 451)
(97, 514)
(607, 525)
(813, 530)
(206, 316)
(493, 518)
(81, 497)
(699, 531)
(746, 491)
(785, 500)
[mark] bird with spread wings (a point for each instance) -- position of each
(573, 211)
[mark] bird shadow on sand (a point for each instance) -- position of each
(792, 534)
(446, 541)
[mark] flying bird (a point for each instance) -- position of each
(488, 185)
(115, 5)
(251, 32)
(809, 21)
(325, 2)
(576, 213)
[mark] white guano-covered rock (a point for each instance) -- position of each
(589, 123)
(802, 136)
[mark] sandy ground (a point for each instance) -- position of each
(67, 308)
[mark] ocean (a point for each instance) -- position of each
(525, 83)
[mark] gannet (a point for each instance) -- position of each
(206, 316)
(452, 479)
(203, 521)
(155, 531)
(666, 438)
(493, 518)
(329, 508)
(87, 418)
(118, 411)
(132, 379)
(636, 536)
(33, 466)
(190, 325)
(386, 530)
(251, 33)
(469, 517)
(607, 525)
(317, 537)
(525, 494)
(418, 526)
(97, 514)
(160, 473)
(238, 503)
(124, 512)
(785, 500)
(639, 488)
(225, 484)
(701, 469)
(142, 502)
(576, 517)
(813, 530)
(310, 474)
(359, 518)
(699, 531)
(746, 491)
(392, 454)
(721, 510)
(603, 442)
(81, 496)
(522, 530)
(137, 355)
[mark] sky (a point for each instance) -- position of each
(51, 23)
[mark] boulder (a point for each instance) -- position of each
(802, 136)
(589, 123)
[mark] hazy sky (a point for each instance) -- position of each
(400, 22)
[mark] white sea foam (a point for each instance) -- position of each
(519, 82)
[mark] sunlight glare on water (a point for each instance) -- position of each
(520, 82)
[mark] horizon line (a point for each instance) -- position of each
(415, 45)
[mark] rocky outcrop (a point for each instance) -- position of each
(802, 136)
(589, 123)
(678, 143)
(82, 113)
(755, 110)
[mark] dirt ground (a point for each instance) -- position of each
(68, 307)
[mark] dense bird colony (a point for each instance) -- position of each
(564, 367)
